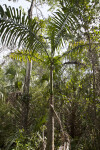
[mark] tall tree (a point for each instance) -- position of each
(26, 97)
(64, 25)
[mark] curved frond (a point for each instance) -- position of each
(63, 24)
(18, 29)
(68, 21)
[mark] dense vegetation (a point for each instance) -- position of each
(50, 83)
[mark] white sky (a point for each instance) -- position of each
(25, 4)
(15, 4)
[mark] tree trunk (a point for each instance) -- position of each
(44, 142)
(26, 97)
(50, 127)
(93, 60)
(64, 135)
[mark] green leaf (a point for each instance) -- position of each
(1, 11)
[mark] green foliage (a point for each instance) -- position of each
(18, 85)
(6, 127)
(19, 29)
(27, 143)
(76, 86)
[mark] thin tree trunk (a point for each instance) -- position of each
(50, 127)
(25, 103)
(26, 97)
(64, 135)
(44, 142)
(93, 61)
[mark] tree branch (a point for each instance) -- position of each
(65, 135)
(74, 62)
(30, 9)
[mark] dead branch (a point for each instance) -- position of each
(74, 62)
(65, 135)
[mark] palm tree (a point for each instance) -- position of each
(23, 30)
(16, 28)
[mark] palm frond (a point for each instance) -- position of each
(18, 29)
(63, 24)
(24, 54)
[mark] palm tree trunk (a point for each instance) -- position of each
(50, 127)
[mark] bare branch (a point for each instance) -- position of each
(74, 62)
(65, 135)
